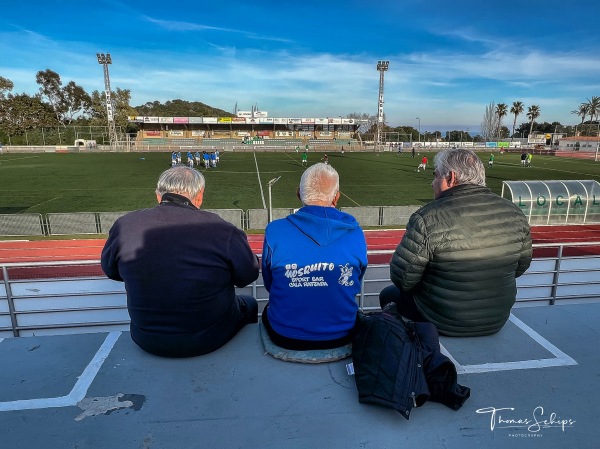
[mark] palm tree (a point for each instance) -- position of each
(582, 111)
(516, 110)
(533, 112)
(501, 111)
(593, 107)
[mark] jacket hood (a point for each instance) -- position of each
(323, 225)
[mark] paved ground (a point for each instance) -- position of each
(540, 374)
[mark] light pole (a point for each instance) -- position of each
(271, 182)
(419, 129)
(105, 60)
(382, 67)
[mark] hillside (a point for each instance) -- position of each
(180, 108)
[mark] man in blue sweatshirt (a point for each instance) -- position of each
(312, 265)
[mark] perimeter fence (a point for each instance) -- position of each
(79, 223)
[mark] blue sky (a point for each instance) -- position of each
(448, 59)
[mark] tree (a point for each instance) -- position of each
(76, 100)
(179, 108)
(368, 123)
(51, 89)
(67, 101)
(490, 123)
(582, 111)
(516, 110)
(121, 108)
(501, 111)
(593, 107)
(6, 85)
(20, 113)
(533, 112)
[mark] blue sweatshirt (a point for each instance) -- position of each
(313, 264)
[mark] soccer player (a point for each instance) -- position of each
(217, 154)
(213, 160)
(197, 158)
(304, 159)
(423, 164)
(206, 157)
(173, 159)
(491, 161)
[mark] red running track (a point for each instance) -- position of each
(380, 243)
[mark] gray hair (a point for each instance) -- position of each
(319, 184)
(466, 165)
(181, 180)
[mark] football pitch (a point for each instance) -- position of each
(113, 182)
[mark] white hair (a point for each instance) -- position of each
(319, 184)
(466, 165)
(181, 180)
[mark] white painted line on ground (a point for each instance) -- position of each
(560, 358)
(44, 202)
(89, 373)
(262, 194)
(342, 193)
(18, 158)
(79, 390)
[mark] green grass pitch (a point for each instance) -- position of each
(105, 182)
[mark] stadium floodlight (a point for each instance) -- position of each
(382, 67)
(105, 60)
(419, 129)
(271, 182)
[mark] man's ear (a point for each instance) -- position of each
(197, 201)
(335, 199)
(298, 194)
(158, 198)
(451, 179)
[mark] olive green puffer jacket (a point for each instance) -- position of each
(459, 258)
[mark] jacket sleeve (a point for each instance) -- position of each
(267, 273)
(411, 256)
(110, 254)
(526, 253)
(244, 262)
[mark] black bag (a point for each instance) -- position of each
(394, 368)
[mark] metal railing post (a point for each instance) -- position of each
(11, 305)
(556, 276)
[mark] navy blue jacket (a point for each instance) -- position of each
(180, 266)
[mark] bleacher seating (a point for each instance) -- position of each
(284, 142)
(155, 141)
(160, 141)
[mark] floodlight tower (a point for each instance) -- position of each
(110, 113)
(382, 67)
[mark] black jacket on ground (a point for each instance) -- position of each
(180, 266)
(398, 364)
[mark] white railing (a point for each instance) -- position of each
(55, 298)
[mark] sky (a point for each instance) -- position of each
(448, 60)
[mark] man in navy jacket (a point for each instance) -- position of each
(180, 266)
(313, 264)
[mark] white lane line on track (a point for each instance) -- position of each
(262, 194)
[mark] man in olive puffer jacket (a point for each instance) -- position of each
(458, 261)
